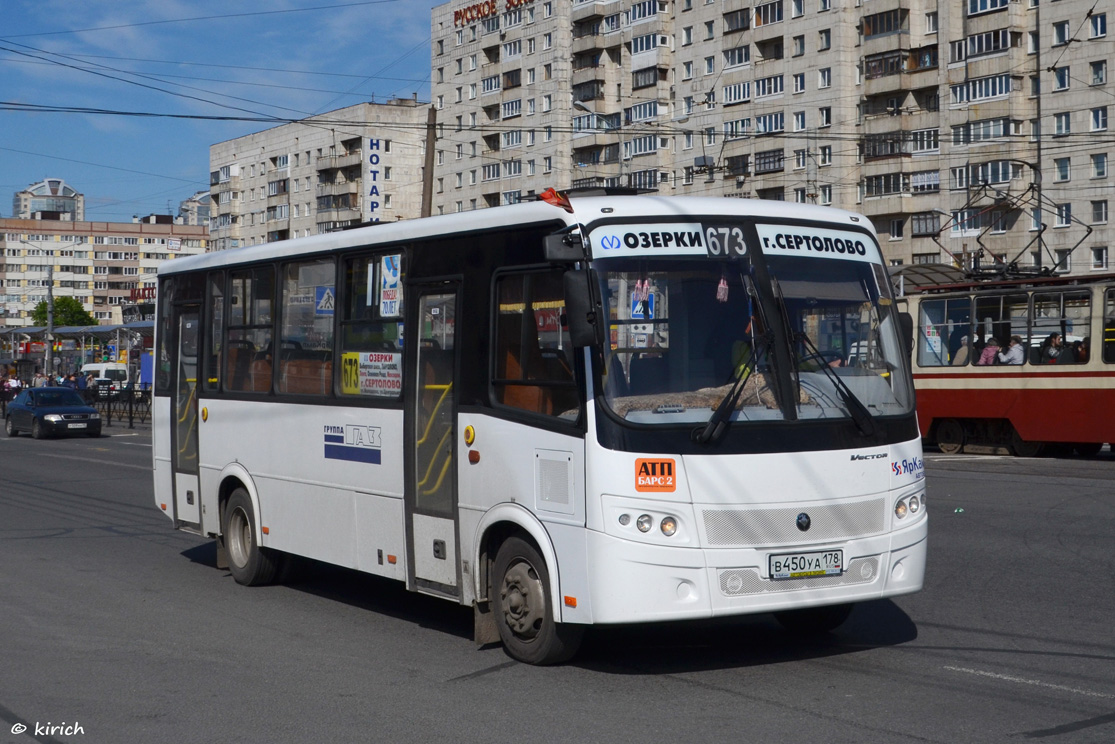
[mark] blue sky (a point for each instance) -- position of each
(281, 58)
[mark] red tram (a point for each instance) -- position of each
(1027, 364)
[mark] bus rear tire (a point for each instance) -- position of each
(950, 436)
(248, 563)
(814, 620)
(523, 608)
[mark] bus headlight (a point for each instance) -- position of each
(625, 519)
(669, 526)
(915, 505)
(644, 523)
(900, 509)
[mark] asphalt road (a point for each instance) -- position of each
(112, 621)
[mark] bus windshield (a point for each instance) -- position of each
(683, 332)
(846, 338)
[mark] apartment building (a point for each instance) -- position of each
(358, 164)
(49, 199)
(969, 129)
(97, 263)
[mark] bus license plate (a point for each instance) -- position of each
(78, 426)
(807, 565)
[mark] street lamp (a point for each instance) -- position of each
(580, 106)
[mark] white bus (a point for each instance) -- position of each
(620, 410)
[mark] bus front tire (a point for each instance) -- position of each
(248, 563)
(523, 608)
(814, 620)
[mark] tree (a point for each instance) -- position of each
(67, 312)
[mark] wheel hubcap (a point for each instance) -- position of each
(523, 600)
(239, 537)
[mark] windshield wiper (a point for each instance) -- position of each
(860, 415)
(718, 422)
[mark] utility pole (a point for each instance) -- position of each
(428, 168)
(50, 315)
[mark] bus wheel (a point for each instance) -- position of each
(1088, 449)
(814, 620)
(248, 563)
(950, 436)
(1023, 448)
(523, 609)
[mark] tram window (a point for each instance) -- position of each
(999, 317)
(212, 373)
(1066, 314)
(1109, 327)
(533, 356)
(942, 328)
(249, 357)
(371, 326)
(305, 353)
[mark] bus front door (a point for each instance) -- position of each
(187, 495)
(431, 483)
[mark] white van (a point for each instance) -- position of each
(117, 372)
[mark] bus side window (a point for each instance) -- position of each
(532, 369)
(248, 362)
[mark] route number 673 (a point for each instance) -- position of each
(725, 241)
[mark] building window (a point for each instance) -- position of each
(1099, 119)
(1061, 169)
(799, 121)
(1064, 215)
(826, 155)
(1061, 78)
(1099, 212)
(826, 194)
(1099, 165)
(1061, 33)
(798, 46)
(1062, 124)
(799, 82)
(824, 40)
(826, 116)
(896, 226)
(1099, 72)
(799, 158)
(710, 65)
(1097, 26)
(931, 22)
(1099, 257)
(824, 78)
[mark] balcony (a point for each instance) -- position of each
(335, 189)
(592, 9)
(328, 162)
(588, 43)
(338, 214)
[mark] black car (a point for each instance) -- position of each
(51, 410)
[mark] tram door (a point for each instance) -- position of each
(187, 495)
(431, 487)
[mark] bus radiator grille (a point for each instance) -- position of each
(750, 527)
(735, 582)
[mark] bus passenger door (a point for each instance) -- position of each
(431, 446)
(187, 496)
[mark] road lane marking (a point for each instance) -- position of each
(1034, 682)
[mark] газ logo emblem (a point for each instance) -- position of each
(610, 242)
(654, 475)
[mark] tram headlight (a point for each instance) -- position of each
(669, 526)
(644, 523)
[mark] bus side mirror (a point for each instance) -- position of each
(582, 309)
(563, 247)
(906, 323)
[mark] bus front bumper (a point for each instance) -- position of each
(634, 582)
